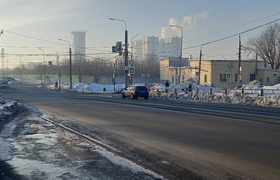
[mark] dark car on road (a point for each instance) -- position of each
(135, 91)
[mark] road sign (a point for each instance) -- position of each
(59, 75)
(275, 75)
(145, 75)
(50, 63)
(197, 73)
(228, 75)
(131, 62)
(114, 48)
(131, 70)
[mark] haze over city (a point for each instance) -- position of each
(30, 24)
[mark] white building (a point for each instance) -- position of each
(79, 45)
(170, 47)
(136, 50)
(159, 48)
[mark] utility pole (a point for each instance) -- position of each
(199, 63)
(126, 59)
(126, 50)
(2, 55)
(239, 63)
(256, 66)
(70, 56)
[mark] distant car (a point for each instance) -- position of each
(135, 91)
(4, 84)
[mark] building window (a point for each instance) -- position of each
(172, 79)
(223, 78)
(267, 79)
(236, 77)
(205, 78)
(252, 77)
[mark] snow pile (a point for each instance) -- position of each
(6, 107)
(256, 83)
(234, 96)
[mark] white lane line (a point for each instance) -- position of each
(203, 127)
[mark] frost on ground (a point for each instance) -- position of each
(37, 149)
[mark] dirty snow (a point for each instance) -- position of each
(41, 150)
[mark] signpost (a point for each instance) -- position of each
(131, 62)
(145, 76)
(275, 77)
(59, 76)
(131, 70)
(228, 76)
(114, 48)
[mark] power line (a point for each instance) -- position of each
(232, 28)
(32, 37)
(210, 42)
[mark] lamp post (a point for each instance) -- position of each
(70, 56)
(132, 55)
(180, 52)
(43, 66)
(199, 66)
(126, 50)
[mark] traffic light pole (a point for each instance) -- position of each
(126, 59)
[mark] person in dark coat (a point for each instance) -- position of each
(56, 85)
(166, 84)
(190, 88)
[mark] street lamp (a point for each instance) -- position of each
(180, 53)
(126, 50)
(131, 56)
(199, 66)
(43, 66)
(70, 56)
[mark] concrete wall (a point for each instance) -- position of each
(91, 79)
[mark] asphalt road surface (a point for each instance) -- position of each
(210, 146)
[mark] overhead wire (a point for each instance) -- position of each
(210, 42)
(232, 28)
(221, 39)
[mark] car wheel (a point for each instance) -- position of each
(123, 96)
(135, 96)
(146, 97)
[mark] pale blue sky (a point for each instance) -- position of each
(53, 19)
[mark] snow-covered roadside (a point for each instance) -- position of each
(234, 96)
(158, 91)
(37, 149)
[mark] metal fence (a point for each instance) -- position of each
(258, 92)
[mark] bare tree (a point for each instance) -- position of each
(151, 65)
(267, 45)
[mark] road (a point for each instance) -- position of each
(196, 145)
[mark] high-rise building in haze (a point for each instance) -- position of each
(154, 47)
(79, 45)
